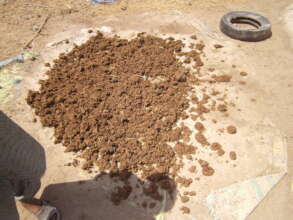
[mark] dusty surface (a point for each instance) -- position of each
(268, 86)
(30, 15)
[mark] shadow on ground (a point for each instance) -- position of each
(109, 196)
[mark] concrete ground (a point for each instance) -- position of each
(270, 82)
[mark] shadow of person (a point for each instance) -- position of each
(22, 164)
(109, 196)
(21, 154)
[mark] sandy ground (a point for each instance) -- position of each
(270, 80)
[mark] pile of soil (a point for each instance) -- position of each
(117, 103)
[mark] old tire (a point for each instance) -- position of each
(261, 23)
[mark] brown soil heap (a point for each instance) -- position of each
(117, 102)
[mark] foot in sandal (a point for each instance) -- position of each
(42, 210)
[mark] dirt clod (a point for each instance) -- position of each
(185, 210)
(199, 126)
(233, 155)
(222, 78)
(192, 169)
(184, 199)
(217, 147)
(193, 37)
(184, 181)
(192, 193)
(201, 139)
(207, 170)
(231, 129)
(222, 108)
(184, 149)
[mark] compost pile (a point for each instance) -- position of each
(117, 102)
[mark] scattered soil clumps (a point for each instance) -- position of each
(217, 147)
(184, 149)
(190, 193)
(184, 181)
(206, 169)
(186, 132)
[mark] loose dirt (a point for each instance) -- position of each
(116, 103)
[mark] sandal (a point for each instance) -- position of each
(48, 212)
